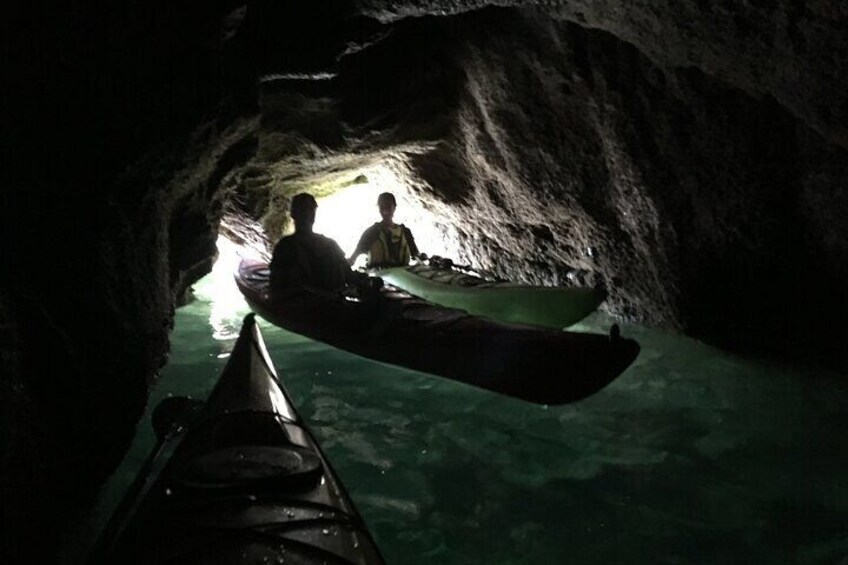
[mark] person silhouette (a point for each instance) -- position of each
(387, 244)
(306, 258)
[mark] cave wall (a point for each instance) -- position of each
(563, 155)
(688, 156)
(684, 193)
(794, 50)
(123, 122)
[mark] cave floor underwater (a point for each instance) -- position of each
(690, 456)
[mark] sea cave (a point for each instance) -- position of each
(689, 158)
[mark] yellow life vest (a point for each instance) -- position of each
(390, 248)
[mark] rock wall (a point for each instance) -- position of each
(124, 122)
(682, 192)
(562, 155)
(688, 156)
(793, 50)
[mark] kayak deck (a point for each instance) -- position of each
(535, 364)
(554, 307)
(243, 481)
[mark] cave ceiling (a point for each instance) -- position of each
(792, 50)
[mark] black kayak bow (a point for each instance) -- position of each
(240, 480)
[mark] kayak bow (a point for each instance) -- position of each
(247, 483)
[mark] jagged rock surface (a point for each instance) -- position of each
(796, 51)
(551, 150)
(690, 156)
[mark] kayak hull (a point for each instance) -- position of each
(553, 307)
(244, 481)
(538, 365)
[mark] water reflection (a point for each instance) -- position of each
(219, 291)
(691, 456)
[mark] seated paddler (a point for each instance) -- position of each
(387, 244)
(305, 258)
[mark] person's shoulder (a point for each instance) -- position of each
(325, 241)
(371, 232)
(284, 242)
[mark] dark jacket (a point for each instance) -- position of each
(308, 259)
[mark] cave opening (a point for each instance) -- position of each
(343, 215)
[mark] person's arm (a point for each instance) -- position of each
(286, 269)
(339, 256)
(280, 265)
(348, 275)
(410, 241)
(363, 246)
(342, 273)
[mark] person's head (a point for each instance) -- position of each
(386, 203)
(302, 211)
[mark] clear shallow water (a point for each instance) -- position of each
(691, 456)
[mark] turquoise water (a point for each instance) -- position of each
(691, 456)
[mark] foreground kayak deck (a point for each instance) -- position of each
(553, 307)
(239, 480)
(538, 365)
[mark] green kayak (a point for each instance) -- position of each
(553, 307)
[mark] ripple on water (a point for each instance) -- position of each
(691, 456)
